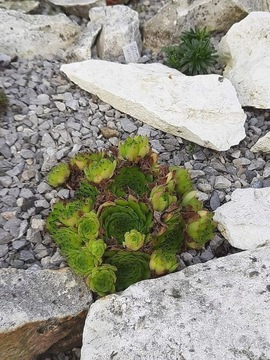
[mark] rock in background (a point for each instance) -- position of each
(245, 50)
(35, 35)
(180, 15)
(78, 8)
(24, 6)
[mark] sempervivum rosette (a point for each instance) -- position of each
(121, 216)
(131, 267)
(130, 217)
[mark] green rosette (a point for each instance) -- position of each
(134, 240)
(73, 210)
(88, 225)
(122, 216)
(53, 222)
(67, 239)
(82, 261)
(102, 279)
(130, 178)
(200, 230)
(58, 175)
(100, 170)
(96, 247)
(87, 190)
(131, 268)
(133, 149)
(162, 262)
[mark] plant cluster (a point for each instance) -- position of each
(129, 218)
(3, 102)
(194, 55)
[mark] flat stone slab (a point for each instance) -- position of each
(218, 310)
(40, 309)
(245, 220)
(200, 108)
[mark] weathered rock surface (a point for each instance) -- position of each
(78, 7)
(217, 310)
(120, 27)
(179, 15)
(31, 35)
(82, 49)
(245, 50)
(24, 6)
(40, 309)
(263, 144)
(199, 108)
(244, 221)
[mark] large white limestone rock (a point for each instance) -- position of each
(40, 310)
(245, 50)
(200, 108)
(213, 311)
(245, 220)
(263, 144)
(120, 27)
(24, 6)
(35, 35)
(179, 15)
(78, 7)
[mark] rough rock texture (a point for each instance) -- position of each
(78, 7)
(31, 35)
(179, 15)
(218, 310)
(40, 309)
(120, 27)
(263, 144)
(244, 221)
(245, 50)
(24, 6)
(200, 108)
(81, 49)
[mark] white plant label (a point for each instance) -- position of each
(131, 52)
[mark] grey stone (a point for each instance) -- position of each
(13, 227)
(18, 244)
(5, 151)
(39, 314)
(5, 181)
(214, 201)
(42, 203)
(257, 164)
(5, 60)
(3, 250)
(206, 255)
(128, 125)
(5, 237)
(222, 183)
(180, 310)
(47, 141)
(27, 154)
(26, 255)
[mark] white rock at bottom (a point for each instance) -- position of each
(199, 108)
(245, 220)
(213, 311)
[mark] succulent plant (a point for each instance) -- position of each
(134, 148)
(59, 175)
(194, 55)
(134, 240)
(129, 218)
(3, 102)
(131, 268)
(102, 279)
(162, 262)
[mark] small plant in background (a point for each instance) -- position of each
(129, 218)
(194, 55)
(3, 102)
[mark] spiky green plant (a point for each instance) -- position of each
(194, 55)
(129, 218)
(3, 102)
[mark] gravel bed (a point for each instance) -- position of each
(50, 119)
